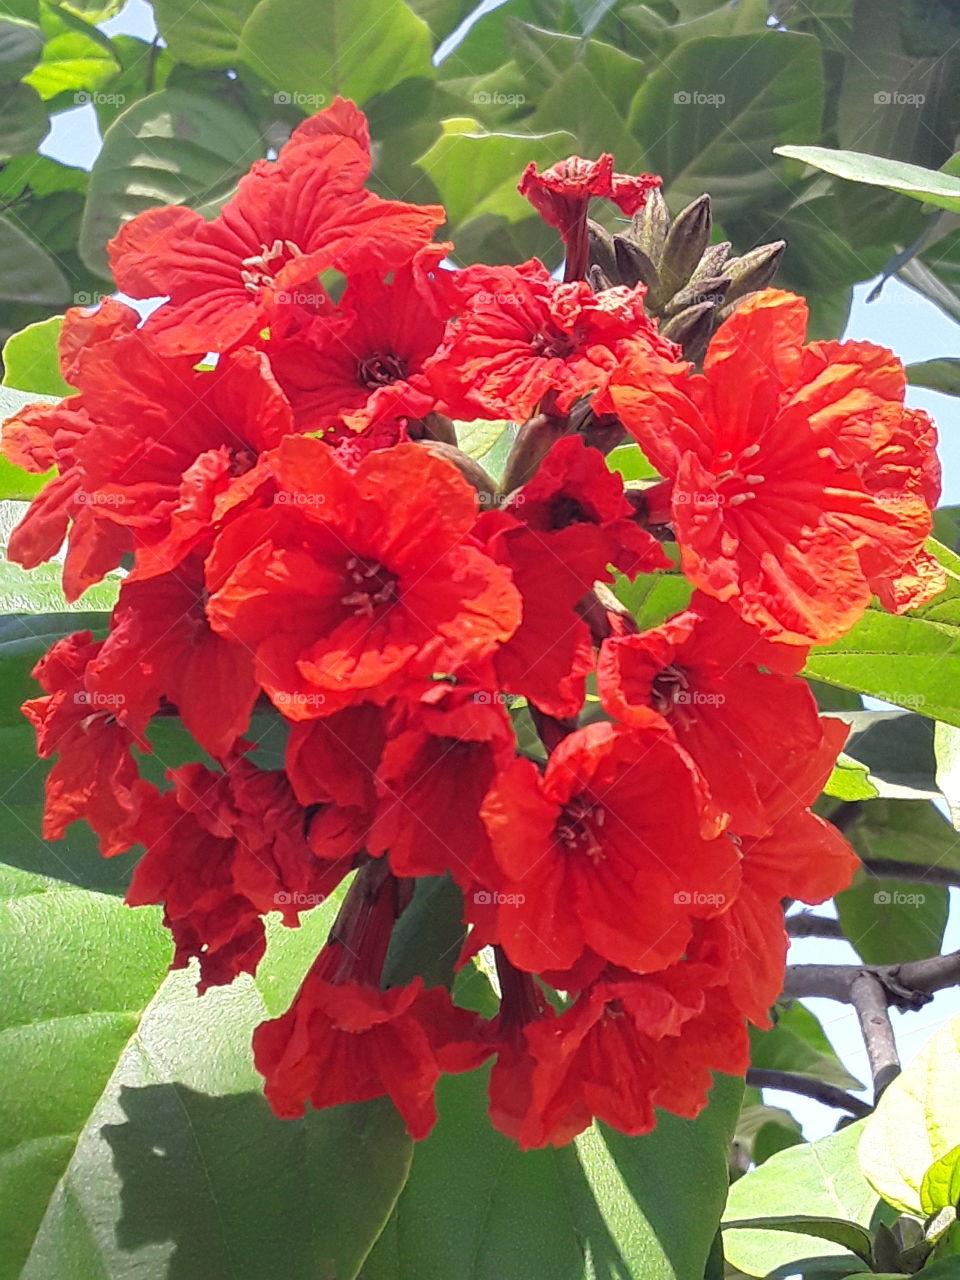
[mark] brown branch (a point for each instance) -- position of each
(869, 997)
(829, 1094)
(907, 986)
(807, 925)
(915, 872)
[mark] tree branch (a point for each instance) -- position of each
(870, 999)
(807, 925)
(907, 986)
(917, 872)
(829, 1094)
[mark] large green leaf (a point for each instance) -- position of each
(476, 173)
(21, 44)
(912, 661)
(173, 147)
(203, 35)
(888, 921)
(357, 48)
(24, 122)
(169, 1160)
(708, 118)
(15, 483)
(27, 273)
(904, 831)
(821, 1177)
(606, 1205)
(928, 185)
(897, 749)
(916, 1123)
(31, 361)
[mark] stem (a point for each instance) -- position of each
(808, 925)
(869, 998)
(829, 1094)
(907, 986)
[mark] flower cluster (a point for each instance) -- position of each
(271, 457)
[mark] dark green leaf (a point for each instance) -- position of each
(904, 831)
(928, 185)
(203, 35)
(797, 1042)
(24, 122)
(850, 1235)
(708, 118)
(938, 375)
(27, 273)
(21, 44)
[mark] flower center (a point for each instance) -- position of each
(578, 827)
(262, 268)
(381, 370)
(565, 511)
(668, 688)
(242, 460)
(555, 345)
(370, 586)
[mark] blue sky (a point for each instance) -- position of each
(899, 319)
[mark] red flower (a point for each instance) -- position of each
(593, 857)
(355, 584)
(95, 777)
(603, 1057)
(289, 221)
(771, 511)
(700, 672)
(362, 365)
(431, 782)
(223, 850)
(561, 195)
(161, 648)
(524, 335)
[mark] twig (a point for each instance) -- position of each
(829, 1094)
(807, 925)
(915, 872)
(869, 998)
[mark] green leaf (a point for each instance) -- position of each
(652, 598)
(359, 49)
(15, 483)
(937, 375)
(27, 273)
(850, 1235)
(31, 361)
(821, 1176)
(888, 921)
(476, 173)
(24, 122)
(940, 1188)
(709, 116)
(203, 35)
(631, 462)
(850, 780)
(173, 147)
(476, 439)
(78, 969)
(916, 1123)
(170, 1155)
(946, 745)
(21, 44)
(797, 1042)
(604, 1205)
(897, 749)
(928, 185)
(912, 661)
(76, 57)
(40, 590)
(904, 831)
